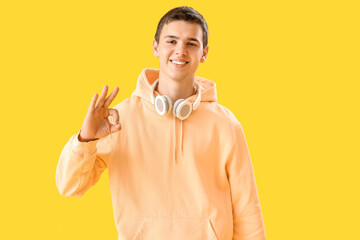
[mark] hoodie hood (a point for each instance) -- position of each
(148, 76)
(143, 89)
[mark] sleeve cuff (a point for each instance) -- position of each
(83, 147)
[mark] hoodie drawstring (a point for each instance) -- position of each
(175, 140)
(181, 137)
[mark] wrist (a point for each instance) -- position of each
(84, 139)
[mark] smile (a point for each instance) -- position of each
(178, 64)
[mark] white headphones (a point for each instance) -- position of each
(181, 109)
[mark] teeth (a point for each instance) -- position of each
(178, 62)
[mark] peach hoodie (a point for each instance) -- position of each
(170, 179)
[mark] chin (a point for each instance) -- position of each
(177, 75)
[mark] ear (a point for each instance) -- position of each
(155, 49)
(205, 53)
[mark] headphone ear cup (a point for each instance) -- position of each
(168, 103)
(182, 109)
(163, 104)
(176, 104)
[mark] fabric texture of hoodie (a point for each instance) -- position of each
(169, 178)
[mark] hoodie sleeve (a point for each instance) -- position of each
(247, 216)
(81, 164)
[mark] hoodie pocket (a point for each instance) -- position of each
(175, 229)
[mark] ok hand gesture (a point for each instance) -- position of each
(96, 123)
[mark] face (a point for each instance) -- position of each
(180, 50)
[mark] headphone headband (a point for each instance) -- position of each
(195, 105)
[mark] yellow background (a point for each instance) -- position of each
(288, 70)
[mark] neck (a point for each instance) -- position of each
(176, 89)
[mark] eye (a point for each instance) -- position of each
(192, 44)
(171, 41)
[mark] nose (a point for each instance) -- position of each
(180, 49)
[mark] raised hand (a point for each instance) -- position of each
(96, 123)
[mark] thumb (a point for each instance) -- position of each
(115, 127)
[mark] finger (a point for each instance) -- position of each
(100, 103)
(93, 101)
(111, 97)
(114, 114)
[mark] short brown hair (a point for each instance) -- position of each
(187, 14)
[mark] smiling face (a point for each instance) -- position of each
(180, 50)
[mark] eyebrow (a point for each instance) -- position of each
(192, 39)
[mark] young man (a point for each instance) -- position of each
(178, 162)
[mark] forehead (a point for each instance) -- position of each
(182, 29)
